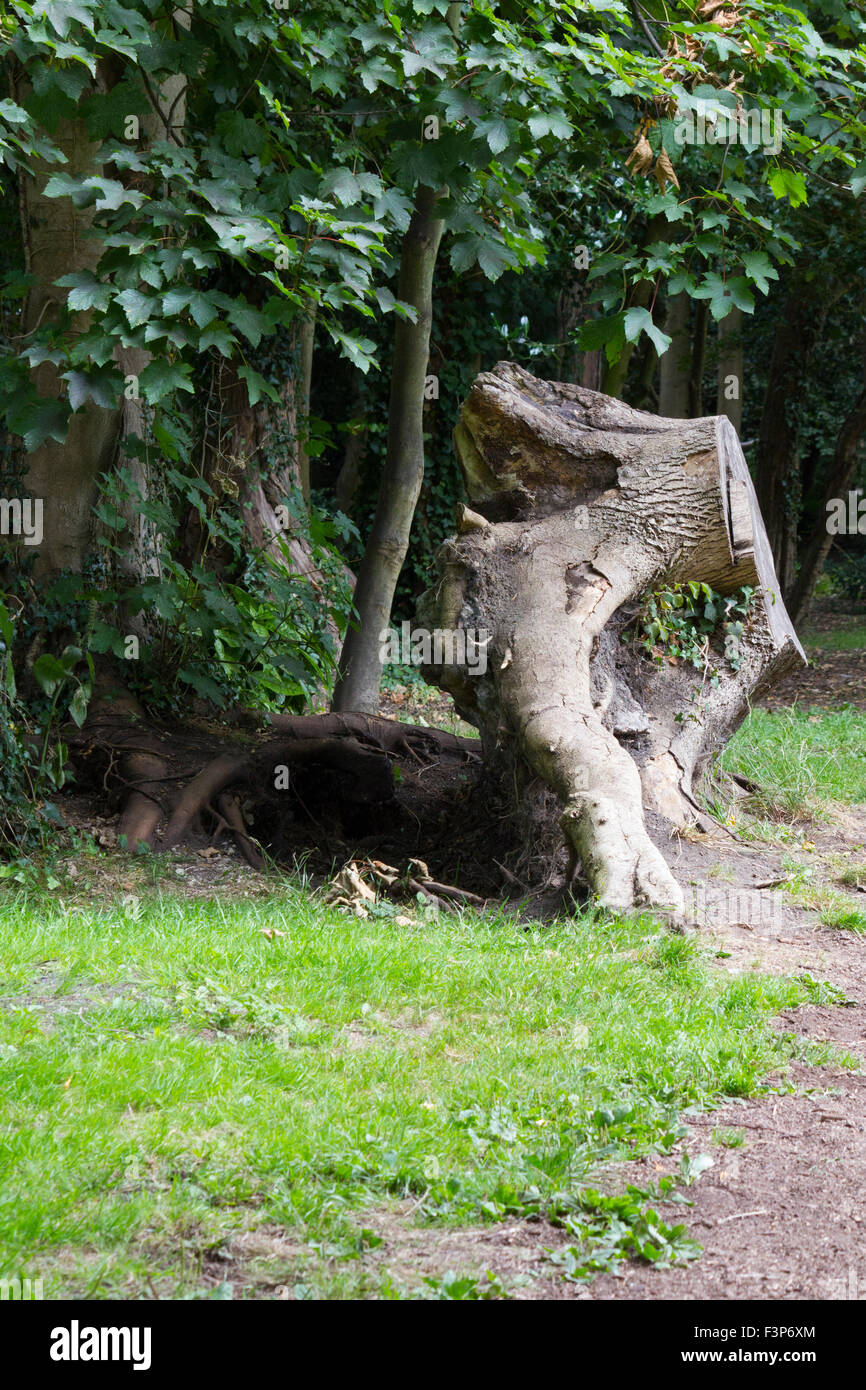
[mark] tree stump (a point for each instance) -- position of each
(579, 506)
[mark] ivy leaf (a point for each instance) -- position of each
(760, 269)
(639, 321)
(857, 181)
(787, 183)
(99, 387)
(137, 307)
(86, 291)
(159, 378)
(257, 386)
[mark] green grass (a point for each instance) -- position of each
(172, 1078)
(849, 639)
(802, 760)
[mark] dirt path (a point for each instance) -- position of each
(784, 1216)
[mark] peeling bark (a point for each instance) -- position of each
(581, 504)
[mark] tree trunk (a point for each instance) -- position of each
(729, 390)
(54, 234)
(581, 505)
(360, 661)
(674, 377)
(64, 476)
(306, 345)
(841, 475)
(696, 367)
(778, 470)
(257, 461)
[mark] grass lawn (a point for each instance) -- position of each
(171, 1078)
(803, 760)
(175, 1081)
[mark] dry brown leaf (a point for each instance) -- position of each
(641, 156)
(270, 932)
(664, 172)
(209, 853)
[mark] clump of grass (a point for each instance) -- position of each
(801, 760)
(843, 915)
(729, 1138)
(854, 876)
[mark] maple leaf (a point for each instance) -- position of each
(641, 156)
(664, 172)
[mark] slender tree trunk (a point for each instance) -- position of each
(841, 474)
(696, 372)
(674, 374)
(729, 390)
(778, 473)
(356, 444)
(306, 338)
(360, 662)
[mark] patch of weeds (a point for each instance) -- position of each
(823, 992)
(466, 1288)
(728, 1138)
(853, 876)
(845, 916)
(610, 1230)
(679, 622)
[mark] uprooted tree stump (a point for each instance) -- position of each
(579, 506)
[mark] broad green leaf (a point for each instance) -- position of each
(787, 183)
(639, 321)
(159, 378)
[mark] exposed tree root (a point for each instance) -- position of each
(175, 786)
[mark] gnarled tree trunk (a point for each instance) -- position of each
(580, 504)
